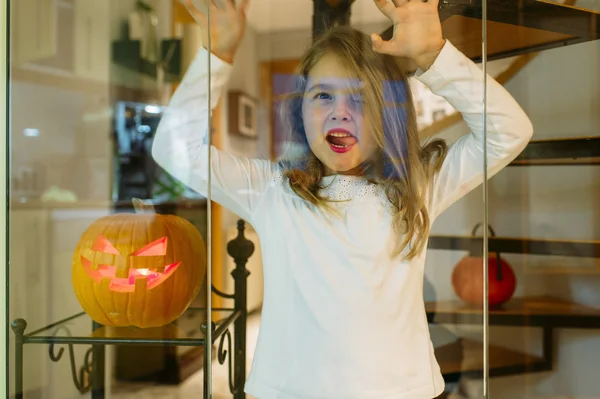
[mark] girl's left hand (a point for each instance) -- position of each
(417, 31)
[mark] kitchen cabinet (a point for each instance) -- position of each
(67, 38)
(92, 39)
(29, 288)
(65, 229)
(42, 240)
(34, 30)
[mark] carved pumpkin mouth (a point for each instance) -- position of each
(152, 277)
(142, 277)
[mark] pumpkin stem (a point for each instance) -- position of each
(142, 206)
(499, 268)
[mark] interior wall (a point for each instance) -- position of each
(290, 44)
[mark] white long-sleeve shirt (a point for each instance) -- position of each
(340, 318)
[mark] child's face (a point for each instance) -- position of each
(336, 126)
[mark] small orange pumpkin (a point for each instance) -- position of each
(467, 278)
(141, 269)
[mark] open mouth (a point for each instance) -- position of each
(340, 140)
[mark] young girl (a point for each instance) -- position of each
(344, 226)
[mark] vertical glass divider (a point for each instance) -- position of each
(4, 75)
(485, 206)
(209, 330)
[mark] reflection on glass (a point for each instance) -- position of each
(106, 250)
(359, 178)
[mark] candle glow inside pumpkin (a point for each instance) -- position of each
(153, 277)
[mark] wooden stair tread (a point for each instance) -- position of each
(467, 356)
(529, 305)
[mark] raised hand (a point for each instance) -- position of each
(226, 26)
(417, 30)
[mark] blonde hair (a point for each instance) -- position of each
(401, 165)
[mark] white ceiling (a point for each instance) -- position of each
(276, 15)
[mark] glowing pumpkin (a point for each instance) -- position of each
(140, 269)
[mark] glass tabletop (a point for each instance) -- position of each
(186, 330)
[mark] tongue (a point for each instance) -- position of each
(341, 140)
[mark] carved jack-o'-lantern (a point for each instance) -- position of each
(139, 269)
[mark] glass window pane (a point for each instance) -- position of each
(455, 292)
(278, 169)
(108, 245)
(543, 205)
(337, 124)
(3, 183)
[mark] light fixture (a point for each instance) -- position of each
(31, 132)
(152, 109)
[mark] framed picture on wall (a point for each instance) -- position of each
(243, 114)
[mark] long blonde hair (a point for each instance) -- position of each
(401, 166)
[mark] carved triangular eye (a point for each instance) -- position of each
(155, 248)
(103, 245)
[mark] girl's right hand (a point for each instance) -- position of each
(227, 26)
